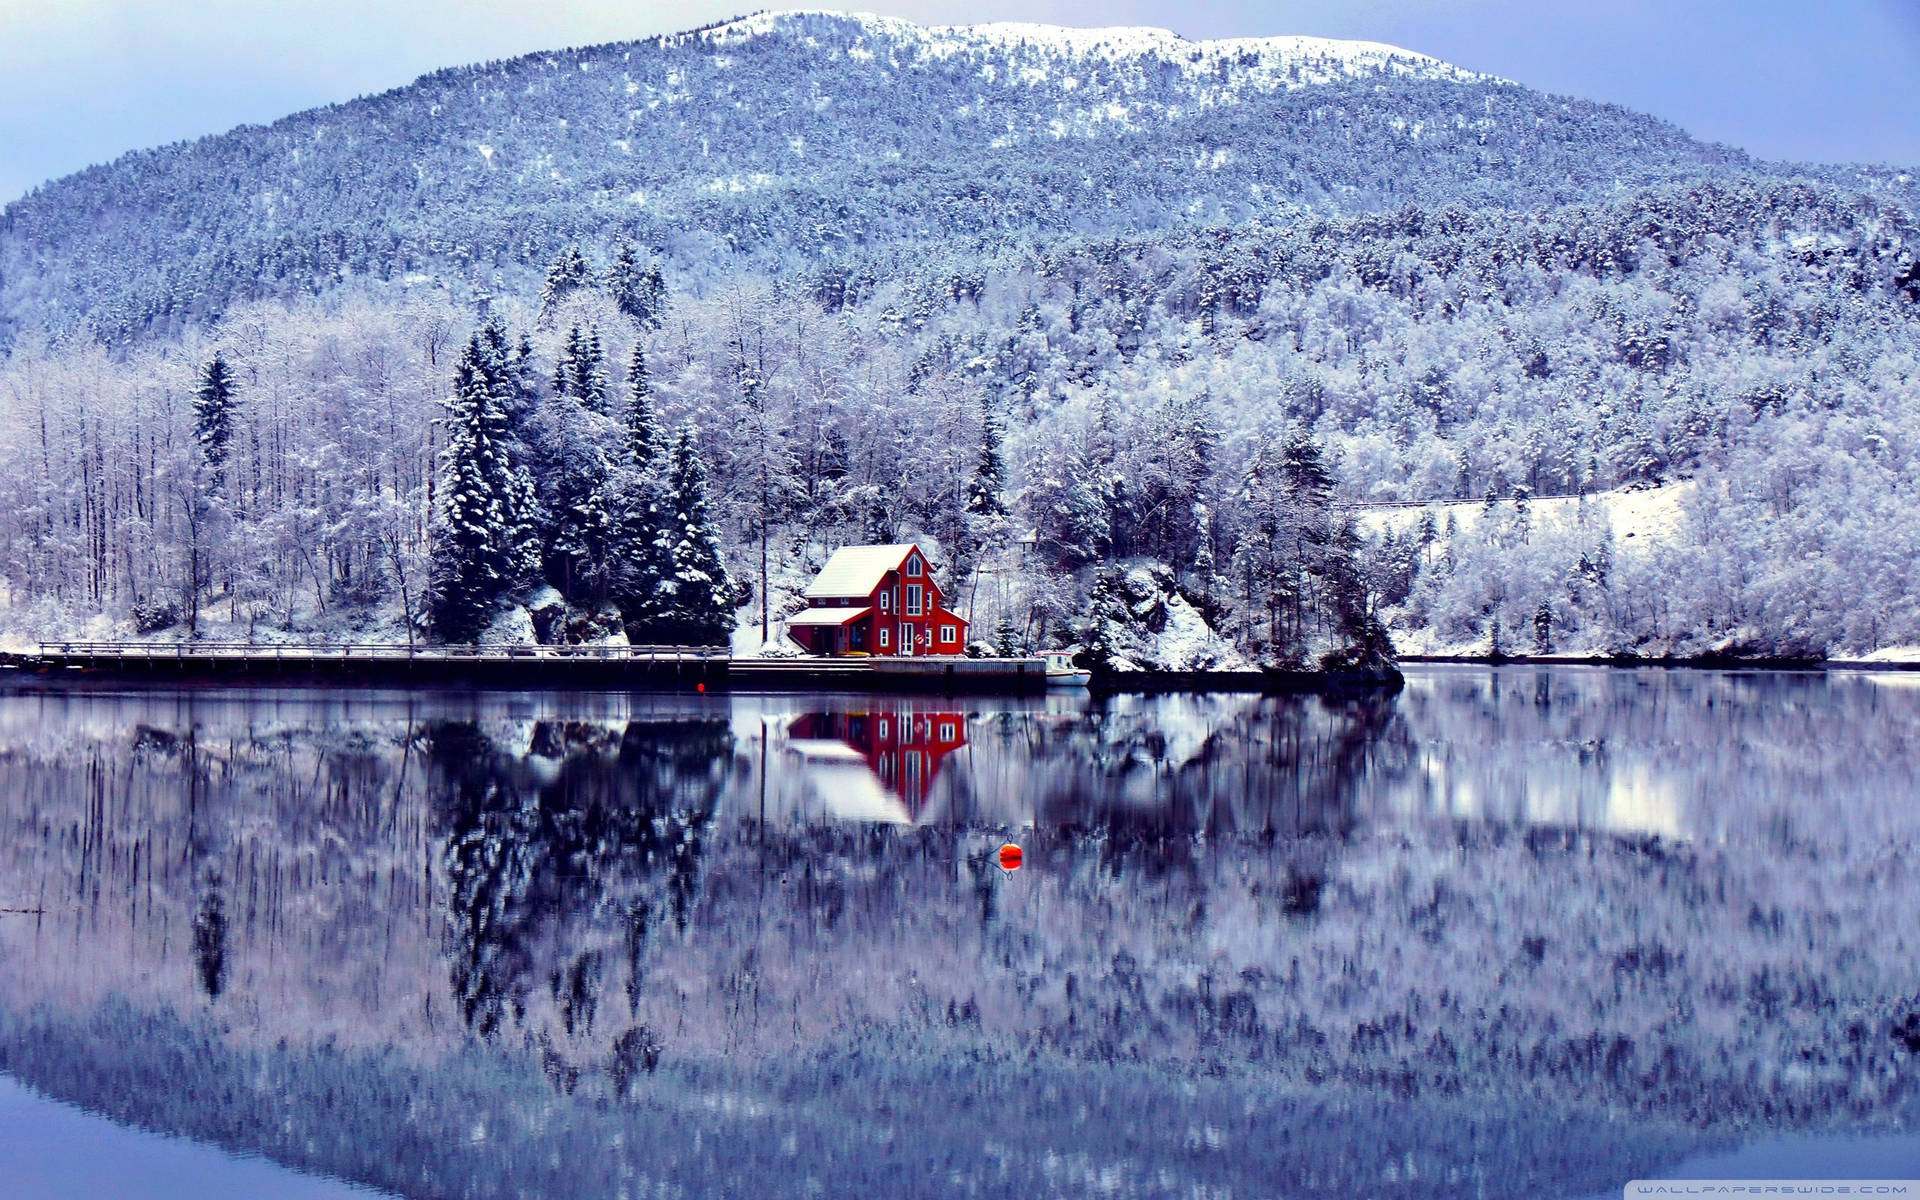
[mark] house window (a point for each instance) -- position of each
(883, 637)
(913, 564)
(913, 599)
(948, 731)
(886, 602)
(948, 635)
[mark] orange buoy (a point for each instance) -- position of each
(1011, 857)
(699, 687)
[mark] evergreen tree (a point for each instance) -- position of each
(583, 539)
(580, 371)
(1543, 628)
(1293, 562)
(1006, 640)
(645, 440)
(590, 379)
(990, 470)
(213, 413)
(567, 274)
(640, 291)
(641, 557)
(563, 365)
(481, 533)
(1105, 618)
(696, 605)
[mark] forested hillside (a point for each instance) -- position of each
(1120, 325)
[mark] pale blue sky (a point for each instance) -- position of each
(82, 81)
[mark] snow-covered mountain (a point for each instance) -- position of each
(801, 136)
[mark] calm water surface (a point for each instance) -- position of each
(1515, 932)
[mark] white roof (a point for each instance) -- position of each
(857, 570)
(826, 616)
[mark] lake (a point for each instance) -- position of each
(1517, 931)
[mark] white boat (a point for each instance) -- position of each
(1061, 672)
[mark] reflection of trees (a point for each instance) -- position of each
(210, 943)
(587, 828)
(1279, 767)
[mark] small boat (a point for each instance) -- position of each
(1061, 672)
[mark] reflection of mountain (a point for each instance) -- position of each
(496, 946)
(901, 747)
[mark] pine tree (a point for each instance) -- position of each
(507, 373)
(213, 412)
(583, 538)
(990, 470)
(563, 365)
(590, 374)
(640, 291)
(645, 441)
(482, 532)
(641, 559)
(697, 595)
(1105, 620)
(1543, 628)
(567, 274)
(1006, 640)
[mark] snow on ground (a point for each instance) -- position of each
(1653, 514)
(1641, 520)
(1886, 656)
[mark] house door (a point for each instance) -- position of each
(906, 638)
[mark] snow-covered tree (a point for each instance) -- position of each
(990, 468)
(696, 596)
(638, 288)
(213, 416)
(566, 274)
(480, 535)
(644, 438)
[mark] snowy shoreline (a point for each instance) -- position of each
(1697, 662)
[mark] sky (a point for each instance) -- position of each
(83, 81)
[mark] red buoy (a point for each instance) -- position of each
(1011, 857)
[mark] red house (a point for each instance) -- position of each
(877, 600)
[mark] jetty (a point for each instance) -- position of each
(691, 668)
(637, 668)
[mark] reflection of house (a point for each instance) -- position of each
(903, 749)
(877, 600)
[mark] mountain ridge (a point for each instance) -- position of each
(772, 131)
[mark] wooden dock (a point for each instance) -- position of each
(690, 668)
(620, 668)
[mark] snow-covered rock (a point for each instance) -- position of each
(1149, 626)
(513, 627)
